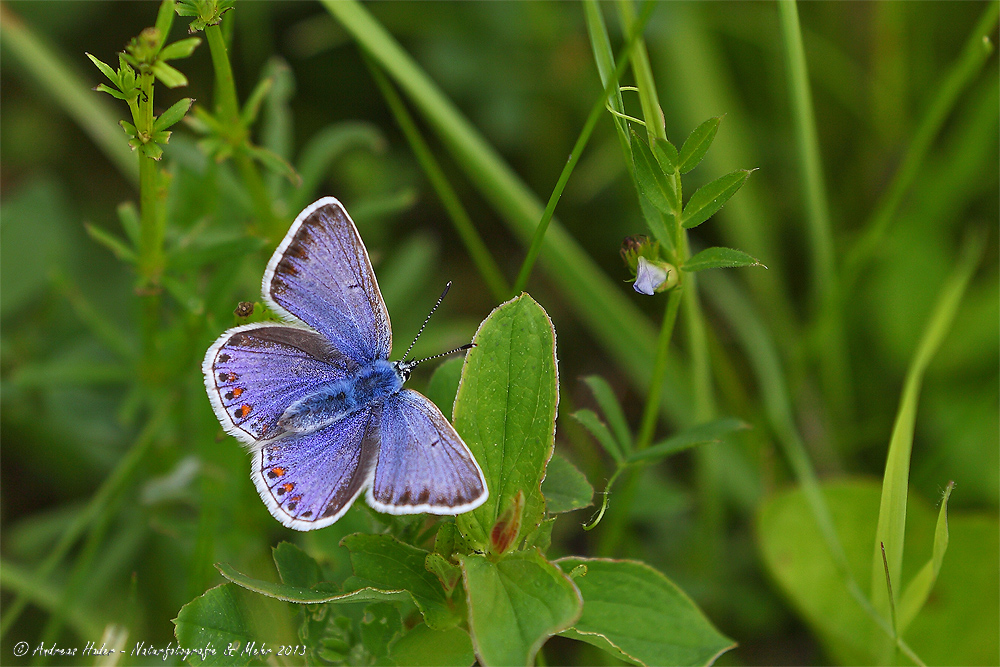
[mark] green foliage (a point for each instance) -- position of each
(868, 349)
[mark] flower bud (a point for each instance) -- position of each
(652, 274)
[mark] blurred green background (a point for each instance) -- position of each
(524, 75)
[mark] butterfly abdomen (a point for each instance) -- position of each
(333, 401)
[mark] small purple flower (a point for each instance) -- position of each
(648, 276)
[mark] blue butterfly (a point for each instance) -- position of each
(318, 403)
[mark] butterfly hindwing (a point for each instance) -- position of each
(254, 372)
(423, 465)
(308, 480)
(321, 275)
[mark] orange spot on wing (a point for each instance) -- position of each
(237, 391)
(243, 411)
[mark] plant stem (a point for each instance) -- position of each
(228, 110)
(651, 410)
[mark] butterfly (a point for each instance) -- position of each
(318, 403)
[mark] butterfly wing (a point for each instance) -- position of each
(321, 275)
(423, 465)
(253, 372)
(308, 480)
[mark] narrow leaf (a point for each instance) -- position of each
(165, 19)
(635, 613)
(111, 242)
(173, 114)
(182, 48)
(168, 76)
(697, 143)
(275, 163)
(666, 154)
(565, 487)
(719, 258)
(611, 409)
(129, 217)
(710, 197)
(593, 423)
(701, 434)
(653, 183)
(516, 604)
(106, 69)
(102, 88)
(252, 106)
(919, 589)
(506, 411)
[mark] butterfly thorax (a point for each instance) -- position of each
(333, 401)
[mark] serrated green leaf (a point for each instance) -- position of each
(120, 249)
(666, 154)
(710, 197)
(637, 614)
(161, 137)
(447, 572)
(719, 258)
(702, 434)
(182, 48)
(295, 566)
(275, 163)
(172, 115)
(611, 409)
(516, 604)
(323, 593)
(219, 618)
(383, 563)
(129, 128)
(506, 410)
(653, 183)
(541, 537)
(168, 76)
(422, 646)
(590, 421)
(565, 487)
(151, 150)
(697, 144)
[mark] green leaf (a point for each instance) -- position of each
(380, 625)
(383, 563)
(423, 647)
(710, 197)
(151, 150)
(173, 114)
(218, 619)
(516, 604)
(443, 384)
(919, 589)
(637, 614)
(597, 428)
(206, 249)
(275, 163)
(252, 106)
(702, 434)
(101, 88)
(959, 628)
(506, 412)
(719, 258)
(182, 48)
(128, 215)
(295, 566)
(565, 488)
(666, 155)
(447, 572)
(326, 146)
(165, 19)
(655, 186)
(168, 76)
(541, 538)
(697, 143)
(611, 409)
(111, 242)
(105, 69)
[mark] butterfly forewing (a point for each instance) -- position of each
(321, 275)
(308, 480)
(253, 372)
(423, 465)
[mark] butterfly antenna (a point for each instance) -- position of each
(467, 346)
(426, 320)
